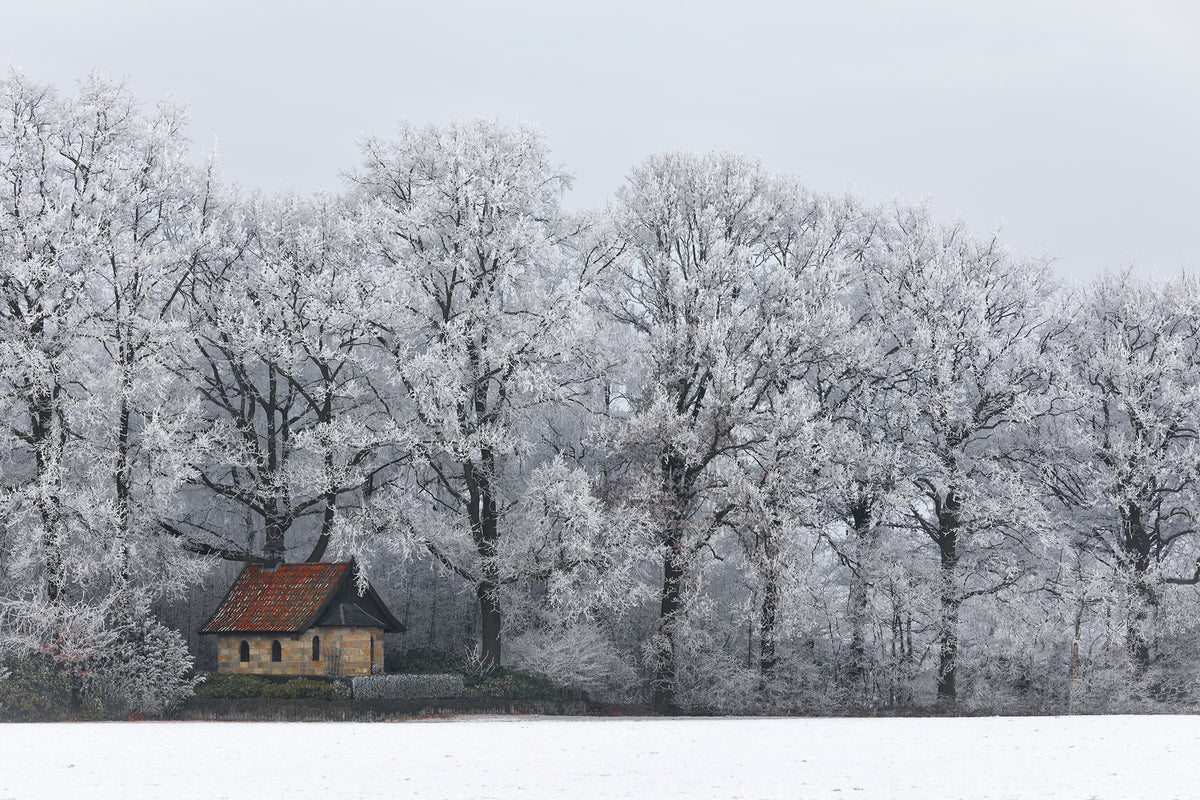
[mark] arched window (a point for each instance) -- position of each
(244, 652)
(276, 651)
(316, 648)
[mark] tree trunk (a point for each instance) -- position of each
(947, 541)
(1137, 547)
(857, 668)
(767, 657)
(123, 473)
(49, 442)
(674, 478)
(1075, 656)
(947, 688)
(324, 419)
(484, 515)
(276, 505)
(126, 358)
(489, 615)
(276, 524)
(665, 664)
(767, 562)
(328, 516)
(52, 539)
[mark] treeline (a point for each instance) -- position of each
(727, 444)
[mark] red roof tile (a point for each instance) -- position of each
(285, 600)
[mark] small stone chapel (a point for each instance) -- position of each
(300, 619)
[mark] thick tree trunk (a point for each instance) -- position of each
(123, 336)
(665, 664)
(275, 505)
(123, 473)
(327, 519)
(947, 687)
(325, 418)
(1138, 634)
(766, 560)
(857, 669)
(328, 514)
(52, 542)
(483, 512)
(49, 442)
(947, 541)
(675, 489)
(1137, 547)
(489, 615)
(769, 612)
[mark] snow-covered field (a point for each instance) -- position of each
(520, 757)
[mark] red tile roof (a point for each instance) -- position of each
(286, 600)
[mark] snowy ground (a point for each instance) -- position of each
(515, 757)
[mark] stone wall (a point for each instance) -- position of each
(344, 651)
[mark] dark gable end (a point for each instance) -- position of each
(373, 604)
(347, 615)
(360, 611)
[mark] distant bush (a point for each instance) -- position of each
(423, 661)
(578, 655)
(406, 687)
(479, 680)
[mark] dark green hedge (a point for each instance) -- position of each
(233, 686)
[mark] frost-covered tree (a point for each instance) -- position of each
(44, 245)
(1132, 483)
(479, 309)
(96, 241)
(292, 428)
(97, 223)
(149, 227)
(969, 334)
(703, 243)
(779, 481)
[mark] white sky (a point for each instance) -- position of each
(1074, 124)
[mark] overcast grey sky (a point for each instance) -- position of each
(1074, 124)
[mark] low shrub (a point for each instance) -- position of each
(91, 661)
(407, 687)
(146, 669)
(479, 680)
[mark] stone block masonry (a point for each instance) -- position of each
(343, 651)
